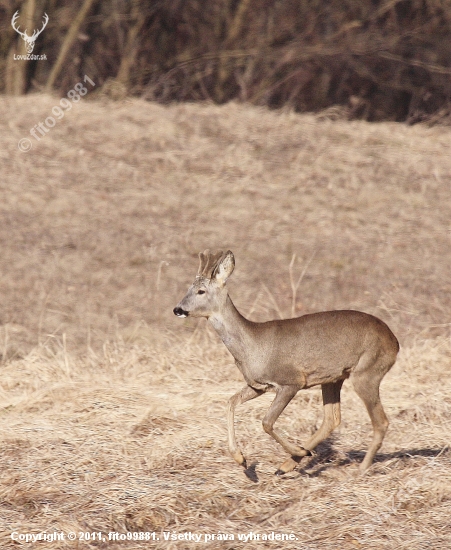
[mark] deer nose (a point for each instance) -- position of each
(180, 312)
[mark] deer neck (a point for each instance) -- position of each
(234, 330)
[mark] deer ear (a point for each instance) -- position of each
(224, 268)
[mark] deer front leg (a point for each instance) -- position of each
(284, 394)
(246, 394)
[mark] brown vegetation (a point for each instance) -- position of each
(113, 411)
(376, 59)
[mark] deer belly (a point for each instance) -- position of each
(287, 375)
(303, 377)
(270, 376)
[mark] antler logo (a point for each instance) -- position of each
(29, 40)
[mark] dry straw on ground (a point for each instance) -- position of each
(112, 411)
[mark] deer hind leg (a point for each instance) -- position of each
(332, 413)
(284, 394)
(331, 420)
(368, 390)
(245, 394)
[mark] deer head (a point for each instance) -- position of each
(208, 292)
(29, 40)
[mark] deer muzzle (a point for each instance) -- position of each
(180, 312)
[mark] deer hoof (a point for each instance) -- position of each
(288, 466)
(239, 458)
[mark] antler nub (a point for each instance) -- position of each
(208, 263)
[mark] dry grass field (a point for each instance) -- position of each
(112, 411)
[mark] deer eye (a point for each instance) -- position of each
(201, 292)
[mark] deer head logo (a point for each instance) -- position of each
(29, 40)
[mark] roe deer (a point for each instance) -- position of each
(289, 355)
